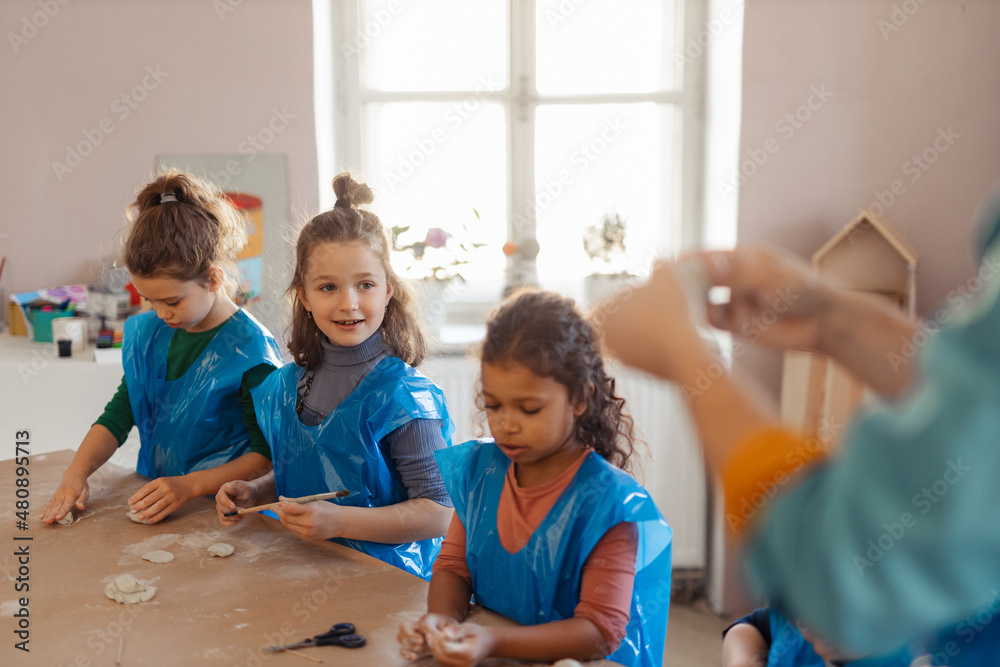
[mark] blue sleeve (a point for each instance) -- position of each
(897, 536)
(759, 619)
(411, 448)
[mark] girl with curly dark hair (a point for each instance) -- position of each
(549, 530)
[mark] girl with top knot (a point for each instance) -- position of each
(351, 412)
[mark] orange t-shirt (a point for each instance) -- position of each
(608, 573)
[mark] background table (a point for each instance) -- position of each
(275, 588)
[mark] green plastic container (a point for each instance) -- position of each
(41, 322)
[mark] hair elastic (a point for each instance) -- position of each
(167, 197)
(342, 203)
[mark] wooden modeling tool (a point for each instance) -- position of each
(303, 499)
(302, 655)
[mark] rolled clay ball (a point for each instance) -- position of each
(126, 589)
(66, 520)
(135, 517)
(221, 549)
(158, 556)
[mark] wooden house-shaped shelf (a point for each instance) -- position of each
(817, 394)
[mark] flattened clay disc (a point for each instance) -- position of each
(158, 556)
(221, 549)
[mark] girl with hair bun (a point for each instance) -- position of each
(351, 412)
(183, 361)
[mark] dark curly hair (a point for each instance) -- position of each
(547, 334)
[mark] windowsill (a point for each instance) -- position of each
(457, 340)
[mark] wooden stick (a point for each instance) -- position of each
(301, 655)
(303, 499)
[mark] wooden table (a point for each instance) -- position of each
(276, 588)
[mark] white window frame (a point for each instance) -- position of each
(520, 101)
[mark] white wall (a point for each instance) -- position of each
(221, 76)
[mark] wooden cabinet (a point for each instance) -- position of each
(817, 394)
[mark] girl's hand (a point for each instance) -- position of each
(71, 493)
(412, 642)
(233, 496)
(413, 636)
(310, 521)
(462, 645)
(156, 500)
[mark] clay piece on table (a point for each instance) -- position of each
(135, 517)
(567, 662)
(67, 520)
(221, 549)
(158, 556)
(126, 589)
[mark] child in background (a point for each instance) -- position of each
(183, 361)
(548, 530)
(763, 638)
(351, 413)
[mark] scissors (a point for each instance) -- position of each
(341, 634)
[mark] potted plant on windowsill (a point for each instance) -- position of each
(435, 264)
(604, 243)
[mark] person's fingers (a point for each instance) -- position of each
(142, 493)
(161, 509)
(227, 497)
(153, 500)
(720, 266)
(719, 315)
(230, 521)
(56, 511)
(294, 509)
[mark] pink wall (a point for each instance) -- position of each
(220, 77)
(893, 78)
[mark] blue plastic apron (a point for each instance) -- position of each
(548, 568)
(973, 642)
(343, 452)
(193, 422)
(790, 649)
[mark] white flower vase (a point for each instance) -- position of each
(435, 295)
(600, 286)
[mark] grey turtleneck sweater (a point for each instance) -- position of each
(410, 447)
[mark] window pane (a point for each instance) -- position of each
(431, 164)
(605, 46)
(593, 160)
(439, 45)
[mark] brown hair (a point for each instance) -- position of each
(185, 238)
(345, 223)
(547, 334)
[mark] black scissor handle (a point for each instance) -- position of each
(339, 629)
(347, 641)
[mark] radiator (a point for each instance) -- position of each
(670, 467)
